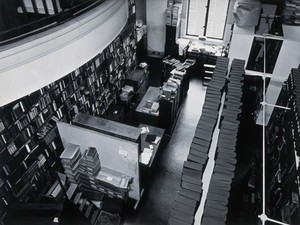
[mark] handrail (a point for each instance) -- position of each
(36, 26)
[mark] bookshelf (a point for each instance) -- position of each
(173, 23)
(29, 139)
(282, 150)
(290, 13)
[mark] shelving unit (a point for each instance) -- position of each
(29, 137)
(202, 59)
(173, 23)
(282, 142)
(291, 14)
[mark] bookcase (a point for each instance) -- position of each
(29, 142)
(282, 150)
(173, 23)
(290, 12)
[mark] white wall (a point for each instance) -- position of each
(156, 21)
(37, 61)
(241, 43)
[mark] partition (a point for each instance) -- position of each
(115, 153)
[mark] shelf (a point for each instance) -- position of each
(87, 88)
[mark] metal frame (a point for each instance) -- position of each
(263, 217)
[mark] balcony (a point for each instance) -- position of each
(37, 58)
(22, 18)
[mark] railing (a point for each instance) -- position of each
(20, 19)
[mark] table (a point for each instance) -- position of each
(145, 116)
(159, 132)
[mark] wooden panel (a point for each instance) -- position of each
(115, 153)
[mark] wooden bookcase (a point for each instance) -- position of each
(29, 137)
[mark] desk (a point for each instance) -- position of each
(159, 132)
(150, 118)
(204, 54)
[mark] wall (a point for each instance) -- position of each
(229, 22)
(156, 14)
(37, 61)
(141, 13)
(241, 42)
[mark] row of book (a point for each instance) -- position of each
(25, 178)
(295, 76)
(93, 211)
(216, 205)
(188, 199)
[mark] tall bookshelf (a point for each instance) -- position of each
(29, 139)
(282, 144)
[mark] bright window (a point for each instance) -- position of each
(207, 18)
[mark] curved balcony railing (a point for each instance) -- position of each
(22, 18)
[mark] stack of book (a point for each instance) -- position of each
(113, 183)
(169, 15)
(169, 89)
(173, 14)
(291, 12)
(89, 167)
(176, 11)
(127, 92)
(70, 159)
(151, 107)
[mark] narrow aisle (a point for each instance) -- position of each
(157, 202)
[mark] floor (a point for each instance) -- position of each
(158, 199)
(156, 204)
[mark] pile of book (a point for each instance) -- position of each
(113, 183)
(70, 159)
(89, 167)
(85, 170)
(127, 92)
(173, 14)
(170, 88)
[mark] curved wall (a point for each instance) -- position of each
(39, 60)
